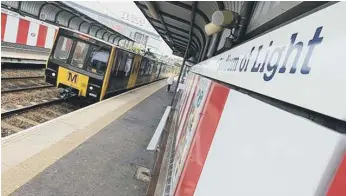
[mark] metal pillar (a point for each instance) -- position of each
(194, 5)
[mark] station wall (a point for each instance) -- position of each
(23, 30)
(229, 142)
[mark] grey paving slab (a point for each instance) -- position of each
(106, 163)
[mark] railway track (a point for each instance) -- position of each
(27, 100)
(19, 110)
(13, 73)
(19, 119)
(22, 83)
(25, 89)
(24, 109)
(22, 77)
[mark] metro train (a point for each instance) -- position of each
(88, 67)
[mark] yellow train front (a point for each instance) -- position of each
(88, 67)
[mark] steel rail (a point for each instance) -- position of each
(25, 88)
(25, 77)
(27, 108)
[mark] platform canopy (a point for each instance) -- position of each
(61, 14)
(180, 21)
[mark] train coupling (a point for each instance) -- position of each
(68, 92)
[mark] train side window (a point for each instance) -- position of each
(98, 61)
(115, 63)
(128, 64)
(142, 67)
(63, 49)
(121, 62)
(79, 55)
(154, 69)
(148, 67)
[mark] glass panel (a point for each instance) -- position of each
(128, 66)
(148, 67)
(138, 37)
(145, 40)
(121, 63)
(98, 61)
(122, 43)
(79, 54)
(63, 48)
(143, 65)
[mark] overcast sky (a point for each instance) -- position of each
(112, 6)
(117, 8)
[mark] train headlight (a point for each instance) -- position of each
(91, 88)
(53, 74)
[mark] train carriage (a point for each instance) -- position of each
(88, 67)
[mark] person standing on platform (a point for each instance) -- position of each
(169, 83)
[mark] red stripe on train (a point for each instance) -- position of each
(42, 34)
(202, 140)
(3, 25)
(23, 29)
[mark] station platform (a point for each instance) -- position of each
(23, 55)
(97, 150)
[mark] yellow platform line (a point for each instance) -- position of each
(18, 175)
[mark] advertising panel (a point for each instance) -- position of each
(184, 139)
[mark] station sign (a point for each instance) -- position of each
(133, 19)
(302, 63)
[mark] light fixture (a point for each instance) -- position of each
(211, 29)
(220, 20)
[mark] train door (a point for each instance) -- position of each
(120, 73)
(134, 72)
(159, 70)
(142, 71)
(153, 71)
(163, 71)
(158, 67)
(148, 70)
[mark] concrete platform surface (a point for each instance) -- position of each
(106, 163)
(86, 121)
(28, 153)
(23, 54)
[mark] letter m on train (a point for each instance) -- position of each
(72, 77)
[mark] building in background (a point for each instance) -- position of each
(126, 19)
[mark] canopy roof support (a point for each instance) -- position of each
(59, 14)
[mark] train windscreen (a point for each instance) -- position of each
(98, 60)
(63, 49)
(85, 55)
(79, 55)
